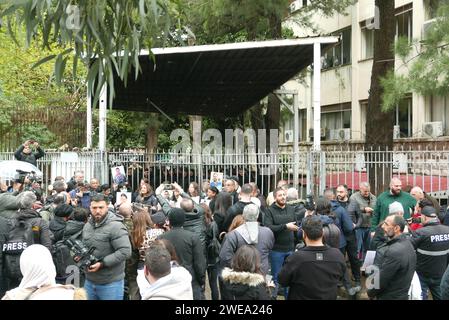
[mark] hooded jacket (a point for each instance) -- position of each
(73, 227)
(34, 218)
(8, 205)
(175, 286)
(112, 247)
(57, 227)
(263, 239)
(243, 286)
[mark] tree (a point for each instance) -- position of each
(112, 31)
(428, 66)
(379, 128)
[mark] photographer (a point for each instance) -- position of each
(24, 152)
(106, 232)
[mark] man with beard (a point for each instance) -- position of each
(106, 232)
(386, 198)
(281, 219)
(395, 262)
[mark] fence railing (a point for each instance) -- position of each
(311, 172)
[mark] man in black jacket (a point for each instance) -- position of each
(188, 249)
(313, 272)
(5, 226)
(394, 264)
(432, 245)
(24, 152)
(24, 220)
(281, 219)
(237, 208)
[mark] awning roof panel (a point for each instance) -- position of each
(220, 80)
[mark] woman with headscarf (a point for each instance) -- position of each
(38, 282)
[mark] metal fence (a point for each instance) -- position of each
(310, 172)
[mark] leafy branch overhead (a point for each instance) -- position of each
(113, 32)
(427, 69)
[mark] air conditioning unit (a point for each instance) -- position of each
(432, 129)
(288, 136)
(295, 6)
(427, 25)
(323, 133)
(396, 132)
(340, 134)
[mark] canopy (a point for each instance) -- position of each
(219, 80)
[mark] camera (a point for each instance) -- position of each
(21, 176)
(168, 187)
(81, 254)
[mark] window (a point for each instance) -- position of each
(404, 22)
(367, 42)
(336, 117)
(341, 53)
(404, 117)
(431, 8)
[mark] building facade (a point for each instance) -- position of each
(346, 78)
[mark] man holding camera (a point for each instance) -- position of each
(24, 153)
(106, 233)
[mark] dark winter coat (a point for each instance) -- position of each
(234, 211)
(445, 285)
(5, 226)
(112, 247)
(189, 251)
(396, 261)
(36, 221)
(73, 227)
(432, 249)
(30, 157)
(313, 273)
(8, 205)
(243, 286)
(57, 227)
(343, 221)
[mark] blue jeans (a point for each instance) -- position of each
(109, 291)
(363, 241)
(277, 260)
(432, 284)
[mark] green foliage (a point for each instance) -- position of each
(40, 132)
(402, 47)
(398, 87)
(428, 71)
(112, 31)
(36, 85)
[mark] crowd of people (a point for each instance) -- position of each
(168, 242)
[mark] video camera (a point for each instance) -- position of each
(21, 176)
(310, 203)
(81, 254)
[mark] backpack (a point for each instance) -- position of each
(21, 235)
(62, 257)
(214, 245)
(331, 235)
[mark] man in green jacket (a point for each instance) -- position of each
(386, 198)
(106, 232)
